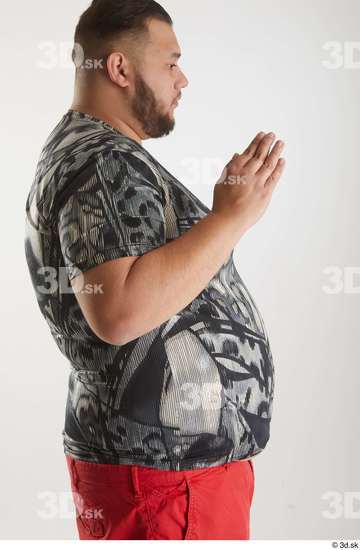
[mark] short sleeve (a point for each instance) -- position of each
(115, 209)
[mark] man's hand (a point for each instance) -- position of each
(246, 185)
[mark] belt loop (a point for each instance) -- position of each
(135, 480)
(74, 472)
(191, 510)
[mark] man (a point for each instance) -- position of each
(171, 381)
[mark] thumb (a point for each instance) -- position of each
(223, 175)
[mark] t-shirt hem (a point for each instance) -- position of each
(171, 464)
(111, 253)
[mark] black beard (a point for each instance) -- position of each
(145, 110)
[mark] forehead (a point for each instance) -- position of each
(162, 39)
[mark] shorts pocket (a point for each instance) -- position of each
(90, 514)
(168, 512)
(90, 505)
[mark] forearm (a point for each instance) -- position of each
(165, 280)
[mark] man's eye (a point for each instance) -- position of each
(173, 65)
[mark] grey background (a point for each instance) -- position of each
(252, 65)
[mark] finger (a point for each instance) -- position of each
(271, 160)
(273, 179)
(250, 150)
(223, 176)
(261, 153)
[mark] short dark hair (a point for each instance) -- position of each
(108, 20)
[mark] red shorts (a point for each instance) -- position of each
(128, 502)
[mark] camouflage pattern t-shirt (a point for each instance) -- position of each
(194, 392)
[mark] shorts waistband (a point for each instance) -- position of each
(132, 477)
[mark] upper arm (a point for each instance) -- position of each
(100, 295)
(114, 217)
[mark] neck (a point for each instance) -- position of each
(107, 116)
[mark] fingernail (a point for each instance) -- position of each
(271, 134)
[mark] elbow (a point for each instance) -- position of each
(126, 331)
(114, 333)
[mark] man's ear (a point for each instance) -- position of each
(118, 68)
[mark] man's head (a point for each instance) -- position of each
(128, 53)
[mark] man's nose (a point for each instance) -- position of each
(184, 81)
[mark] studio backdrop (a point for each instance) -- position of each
(252, 65)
